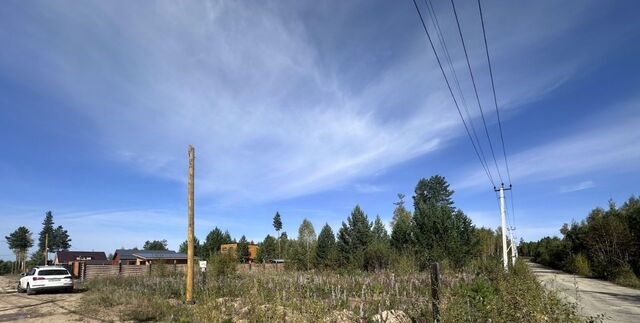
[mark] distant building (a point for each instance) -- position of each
(90, 257)
(147, 257)
(232, 247)
(72, 259)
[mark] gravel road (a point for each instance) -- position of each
(47, 307)
(593, 296)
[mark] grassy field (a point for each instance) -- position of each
(482, 292)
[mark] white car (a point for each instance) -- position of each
(43, 278)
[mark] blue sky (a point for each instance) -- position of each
(306, 108)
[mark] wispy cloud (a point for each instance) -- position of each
(577, 187)
(275, 106)
(607, 142)
(368, 188)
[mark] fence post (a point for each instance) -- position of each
(119, 268)
(83, 271)
(435, 290)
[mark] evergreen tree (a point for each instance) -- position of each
(354, 236)
(402, 232)
(243, 249)
(198, 250)
(441, 231)
(61, 240)
(214, 240)
(47, 232)
(433, 190)
(326, 250)
(155, 245)
(277, 225)
(379, 231)
(268, 249)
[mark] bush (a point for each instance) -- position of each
(377, 256)
(626, 277)
(578, 264)
(222, 264)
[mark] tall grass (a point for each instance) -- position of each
(480, 292)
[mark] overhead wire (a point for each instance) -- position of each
(436, 25)
(495, 102)
(493, 88)
(475, 89)
(424, 26)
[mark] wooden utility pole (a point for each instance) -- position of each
(46, 249)
(189, 291)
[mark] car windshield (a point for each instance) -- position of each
(53, 272)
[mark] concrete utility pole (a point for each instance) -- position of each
(189, 291)
(503, 218)
(514, 249)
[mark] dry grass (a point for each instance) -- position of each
(478, 293)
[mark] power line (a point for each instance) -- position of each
(495, 102)
(424, 26)
(493, 88)
(436, 25)
(475, 89)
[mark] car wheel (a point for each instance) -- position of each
(69, 290)
(29, 290)
(19, 289)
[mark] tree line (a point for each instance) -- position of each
(606, 244)
(436, 230)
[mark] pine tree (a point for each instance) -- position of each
(214, 240)
(277, 225)
(243, 249)
(47, 232)
(326, 247)
(401, 226)
(268, 249)
(197, 248)
(155, 245)
(379, 231)
(354, 236)
(433, 190)
(61, 240)
(441, 231)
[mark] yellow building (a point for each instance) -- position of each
(232, 247)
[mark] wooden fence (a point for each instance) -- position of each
(88, 271)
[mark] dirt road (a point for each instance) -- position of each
(593, 296)
(49, 307)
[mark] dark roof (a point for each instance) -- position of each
(148, 254)
(68, 256)
(128, 254)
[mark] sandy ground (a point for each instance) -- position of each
(45, 307)
(593, 296)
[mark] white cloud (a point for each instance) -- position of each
(269, 103)
(368, 188)
(577, 187)
(608, 142)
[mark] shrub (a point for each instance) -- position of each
(222, 264)
(626, 277)
(578, 264)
